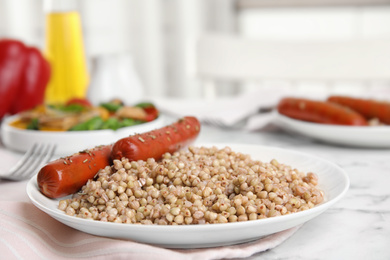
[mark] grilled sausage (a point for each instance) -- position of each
(155, 143)
(369, 108)
(320, 112)
(67, 175)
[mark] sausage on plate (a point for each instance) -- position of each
(67, 175)
(320, 112)
(369, 108)
(155, 143)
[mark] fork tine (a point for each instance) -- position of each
(46, 155)
(26, 157)
(25, 164)
(40, 156)
(214, 122)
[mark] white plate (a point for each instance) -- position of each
(332, 180)
(358, 136)
(69, 142)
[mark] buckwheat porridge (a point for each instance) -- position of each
(196, 186)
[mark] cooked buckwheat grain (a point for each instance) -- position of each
(197, 186)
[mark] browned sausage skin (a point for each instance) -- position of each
(67, 175)
(320, 112)
(155, 143)
(369, 108)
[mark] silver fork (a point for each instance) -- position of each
(238, 125)
(31, 161)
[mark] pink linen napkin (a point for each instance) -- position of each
(28, 233)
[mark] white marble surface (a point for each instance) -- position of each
(357, 227)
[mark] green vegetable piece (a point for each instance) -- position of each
(112, 107)
(111, 123)
(71, 108)
(130, 122)
(34, 124)
(94, 123)
(145, 105)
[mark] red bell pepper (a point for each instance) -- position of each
(24, 74)
(12, 64)
(34, 80)
(150, 109)
(79, 101)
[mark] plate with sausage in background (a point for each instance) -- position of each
(78, 125)
(338, 120)
(186, 195)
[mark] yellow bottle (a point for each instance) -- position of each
(64, 50)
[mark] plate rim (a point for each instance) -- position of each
(338, 127)
(351, 136)
(6, 126)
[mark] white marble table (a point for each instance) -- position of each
(357, 227)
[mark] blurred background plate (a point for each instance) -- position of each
(69, 142)
(356, 136)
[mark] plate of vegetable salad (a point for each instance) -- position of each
(80, 115)
(78, 124)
